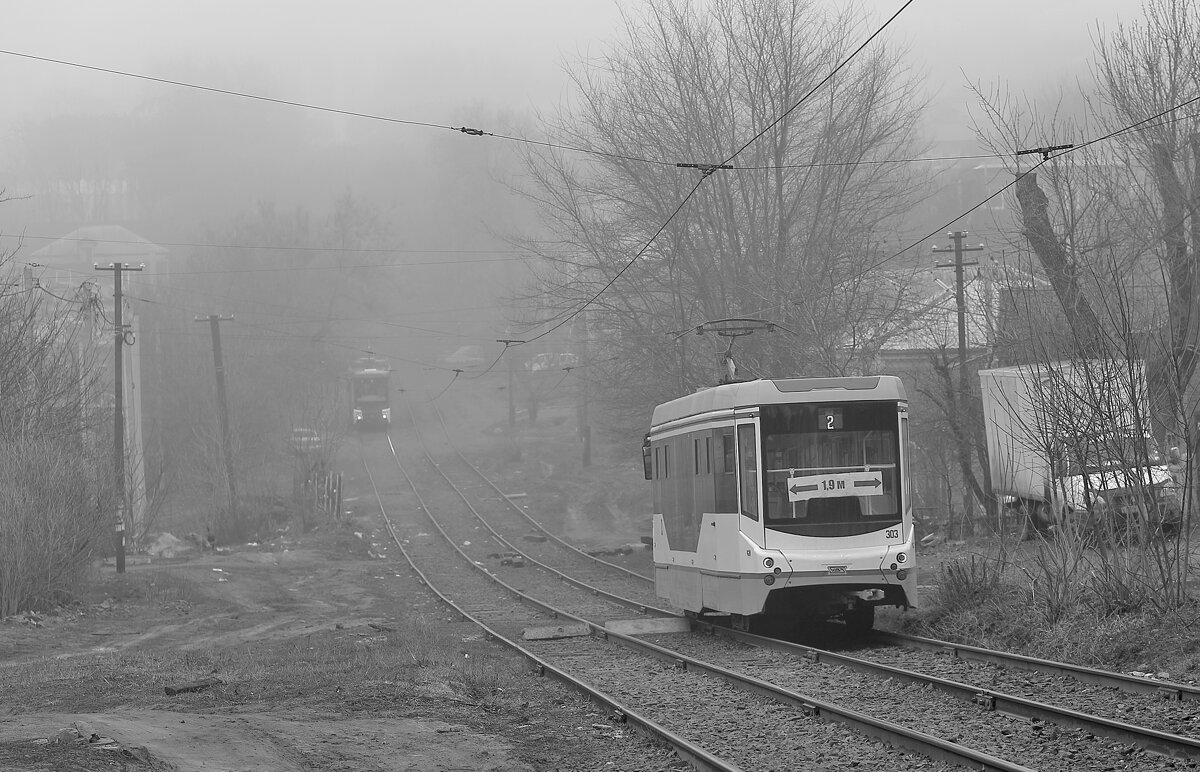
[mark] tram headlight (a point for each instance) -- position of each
(901, 557)
(901, 575)
(769, 579)
(357, 414)
(768, 562)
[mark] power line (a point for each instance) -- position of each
(820, 83)
(707, 171)
(1046, 158)
(281, 248)
(227, 92)
(336, 111)
(624, 268)
(482, 133)
(457, 372)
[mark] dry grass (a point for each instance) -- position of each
(1055, 600)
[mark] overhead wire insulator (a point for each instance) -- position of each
(705, 169)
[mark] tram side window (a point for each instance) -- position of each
(725, 479)
(685, 480)
(665, 494)
(702, 489)
(748, 470)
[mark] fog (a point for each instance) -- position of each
(186, 163)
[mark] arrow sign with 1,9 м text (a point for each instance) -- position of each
(822, 486)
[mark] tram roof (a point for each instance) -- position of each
(729, 396)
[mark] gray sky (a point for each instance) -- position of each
(431, 60)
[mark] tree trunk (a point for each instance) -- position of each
(1059, 267)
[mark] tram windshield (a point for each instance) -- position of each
(370, 389)
(831, 469)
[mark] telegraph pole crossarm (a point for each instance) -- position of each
(119, 408)
(959, 292)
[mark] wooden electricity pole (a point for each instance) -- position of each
(959, 296)
(214, 323)
(512, 407)
(959, 404)
(119, 409)
(585, 427)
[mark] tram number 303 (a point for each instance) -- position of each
(892, 533)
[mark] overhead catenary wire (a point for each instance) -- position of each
(435, 397)
(706, 173)
(819, 83)
(1137, 126)
(1046, 158)
(279, 334)
(291, 248)
(471, 131)
(326, 109)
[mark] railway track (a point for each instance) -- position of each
(518, 542)
(932, 714)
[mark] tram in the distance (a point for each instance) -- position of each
(787, 499)
(370, 390)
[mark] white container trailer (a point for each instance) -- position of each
(1070, 437)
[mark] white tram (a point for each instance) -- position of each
(784, 498)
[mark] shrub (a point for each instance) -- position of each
(51, 523)
(964, 584)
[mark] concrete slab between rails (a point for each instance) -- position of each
(649, 626)
(555, 631)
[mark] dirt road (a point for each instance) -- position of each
(71, 671)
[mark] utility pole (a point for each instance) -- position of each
(963, 388)
(959, 295)
(512, 407)
(214, 323)
(585, 427)
(119, 408)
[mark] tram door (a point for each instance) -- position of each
(749, 479)
(905, 485)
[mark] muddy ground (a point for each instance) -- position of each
(70, 677)
(325, 655)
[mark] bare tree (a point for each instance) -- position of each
(1115, 231)
(1146, 69)
(51, 523)
(792, 235)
